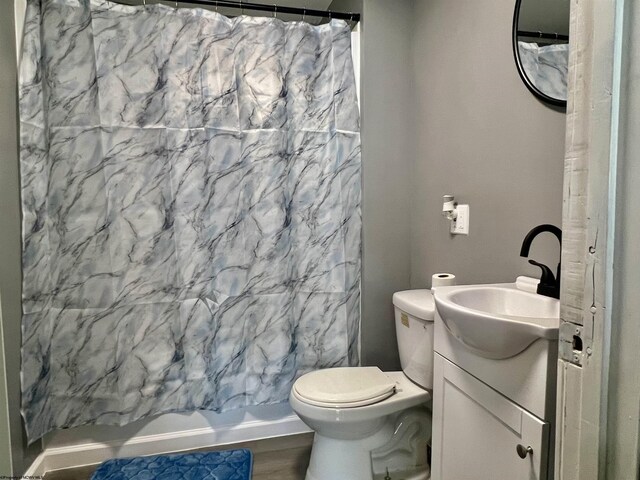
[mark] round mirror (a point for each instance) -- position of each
(541, 47)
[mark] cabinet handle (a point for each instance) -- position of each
(523, 451)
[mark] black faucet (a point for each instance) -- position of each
(549, 284)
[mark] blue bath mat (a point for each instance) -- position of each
(225, 465)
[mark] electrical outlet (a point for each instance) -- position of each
(460, 226)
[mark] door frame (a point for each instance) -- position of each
(598, 391)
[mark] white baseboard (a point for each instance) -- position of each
(91, 453)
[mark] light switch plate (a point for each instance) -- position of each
(460, 226)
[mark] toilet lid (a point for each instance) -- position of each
(344, 387)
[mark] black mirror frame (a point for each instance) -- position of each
(523, 75)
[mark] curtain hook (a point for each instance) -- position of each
(144, 3)
(275, 10)
(304, 13)
(176, 4)
(241, 8)
(216, 7)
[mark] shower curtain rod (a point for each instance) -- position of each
(275, 9)
(550, 36)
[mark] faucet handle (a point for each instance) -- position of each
(547, 278)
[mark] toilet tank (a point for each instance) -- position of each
(414, 314)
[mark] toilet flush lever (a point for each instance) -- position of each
(523, 451)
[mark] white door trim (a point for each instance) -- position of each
(589, 388)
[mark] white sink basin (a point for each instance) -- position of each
(497, 321)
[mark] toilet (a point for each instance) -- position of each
(368, 422)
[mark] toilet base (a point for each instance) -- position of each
(414, 474)
(420, 474)
(399, 445)
(342, 459)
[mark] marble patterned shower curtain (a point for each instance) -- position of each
(191, 210)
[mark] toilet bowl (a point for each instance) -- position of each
(366, 421)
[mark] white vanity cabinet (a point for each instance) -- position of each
(477, 431)
(493, 412)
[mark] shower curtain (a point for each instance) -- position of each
(191, 210)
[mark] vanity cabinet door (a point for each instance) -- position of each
(476, 431)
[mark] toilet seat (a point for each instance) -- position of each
(344, 387)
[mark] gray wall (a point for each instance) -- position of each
(483, 137)
(10, 273)
(387, 153)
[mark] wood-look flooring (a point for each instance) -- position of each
(281, 458)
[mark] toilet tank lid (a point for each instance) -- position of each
(418, 303)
